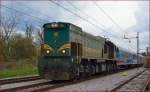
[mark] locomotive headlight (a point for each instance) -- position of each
(63, 51)
(47, 51)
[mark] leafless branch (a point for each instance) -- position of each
(8, 25)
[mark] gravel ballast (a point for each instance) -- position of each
(99, 84)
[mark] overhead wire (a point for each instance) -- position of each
(24, 22)
(111, 19)
(37, 18)
(102, 10)
(84, 19)
(51, 18)
(41, 20)
(84, 13)
(108, 16)
(79, 16)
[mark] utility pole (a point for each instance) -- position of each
(137, 37)
(137, 47)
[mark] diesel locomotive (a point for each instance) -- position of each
(68, 53)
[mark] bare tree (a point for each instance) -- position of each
(8, 25)
(40, 36)
(29, 30)
(1, 34)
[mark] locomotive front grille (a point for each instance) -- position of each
(57, 73)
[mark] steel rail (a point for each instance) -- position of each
(48, 85)
(66, 83)
(14, 89)
(147, 85)
(19, 79)
(125, 82)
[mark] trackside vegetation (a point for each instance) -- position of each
(19, 58)
(19, 70)
(19, 49)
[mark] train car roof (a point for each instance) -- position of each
(92, 36)
(127, 50)
(121, 48)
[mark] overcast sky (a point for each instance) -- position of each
(111, 19)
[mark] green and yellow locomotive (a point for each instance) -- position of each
(68, 53)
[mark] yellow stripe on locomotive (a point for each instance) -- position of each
(65, 46)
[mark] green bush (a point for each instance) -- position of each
(20, 70)
(19, 56)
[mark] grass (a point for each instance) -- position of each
(20, 70)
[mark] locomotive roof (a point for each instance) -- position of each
(67, 23)
(80, 29)
(92, 36)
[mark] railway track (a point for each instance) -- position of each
(20, 86)
(38, 85)
(19, 79)
(137, 83)
(41, 85)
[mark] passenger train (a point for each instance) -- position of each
(69, 53)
